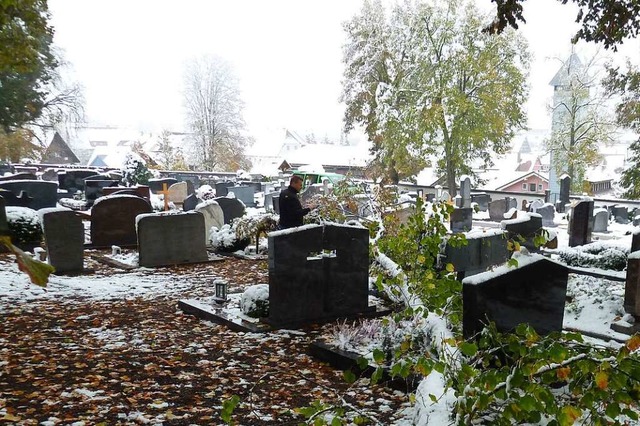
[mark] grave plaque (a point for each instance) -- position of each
(532, 293)
(581, 223)
(600, 220)
(461, 219)
(317, 273)
(231, 207)
(113, 220)
(213, 216)
(171, 239)
(64, 239)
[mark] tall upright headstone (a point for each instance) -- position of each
(4, 226)
(465, 191)
(581, 223)
(64, 239)
(631, 296)
(565, 187)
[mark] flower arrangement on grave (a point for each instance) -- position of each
(135, 171)
(24, 226)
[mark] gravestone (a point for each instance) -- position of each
(113, 219)
(213, 216)
(50, 175)
(167, 238)
(635, 240)
(482, 200)
(11, 199)
(177, 193)
(190, 202)
(317, 273)
(231, 207)
(190, 186)
(276, 203)
(498, 208)
(581, 223)
(244, 194)
(535, 205)
(548, 213)
(4, 225)
(512, 203)
(445, 196)
(565, 188)
(534, 293)
(483, 250)
(600, 220)
(222, 188)
(620, 214)
(73, 180)
(268, 200)
(19, 176)
(43, 194)
(64, 239)
(430, 198)
(632, 285)
(155, 185)
(256, 186)
(461, 219)
(93, 189)
(527, 226)
(139, 190)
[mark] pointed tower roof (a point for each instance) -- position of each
(571, 66)
(58, 152)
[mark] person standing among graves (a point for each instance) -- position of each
(291, 210)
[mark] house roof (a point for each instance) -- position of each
(58, 152)
(568, 68)
(523, 176)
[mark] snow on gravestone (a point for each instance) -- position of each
(581, 223)
(167, 238)
(155, 185)
(600, 220)
(484, 249)
(527, 226)
(113, 219)
(244, 194)
(64, 239)
(306, 285)
(213, 216)
(533, 292)
(178, 192)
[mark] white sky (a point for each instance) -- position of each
(129, 57)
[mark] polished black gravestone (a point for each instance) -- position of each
(461, 219)
(620, 214)
(64, 240)
(532, 293)
(93, 189)
(318, 273)
(244, 194)
(222, 188)
(581, 223)
(482, 200)
(11, 199)
(565, 189)
(19, 176)
(498, 208)
(481, 252)
(524, 229)
(73, 180)
(190, 202)
(113, 220)
(231, 207)
(43, 194)
(171, 239)
(635, 240)
(155, 185)
(4, 225)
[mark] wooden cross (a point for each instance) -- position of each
(165, 192)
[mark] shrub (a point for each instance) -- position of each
(255, 301)
(24, 225)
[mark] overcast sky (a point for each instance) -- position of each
(129, 56)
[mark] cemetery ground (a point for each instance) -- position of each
(112, 347)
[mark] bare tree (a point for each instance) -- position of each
(214, 115)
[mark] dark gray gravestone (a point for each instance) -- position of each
(497, 209)
(257, 186)
(171, 239)
(18, 176)
(461, 220)
(222, 188)
(73, 180)
(268, 200)
(482, 200)
(481, 252)
(632, 285)
(306, 285)
(140, 190)
(620, 214)
(565, 189)
(190, 185)
(635, 240)
(11, 199)
(600, 220)
(190, 202)
(113, 220)
(64, 239)
(50, 175)
(244, 194)
(276, 203)
(4, 225)
(155, 185)
(231, 208)
(527, 227)
(43, 194)
(532, 293)
(431, 197)
(581, 223)
(93, 189)
(548, 213)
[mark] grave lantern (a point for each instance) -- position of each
(221, 289)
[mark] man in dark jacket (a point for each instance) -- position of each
(291, 211)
